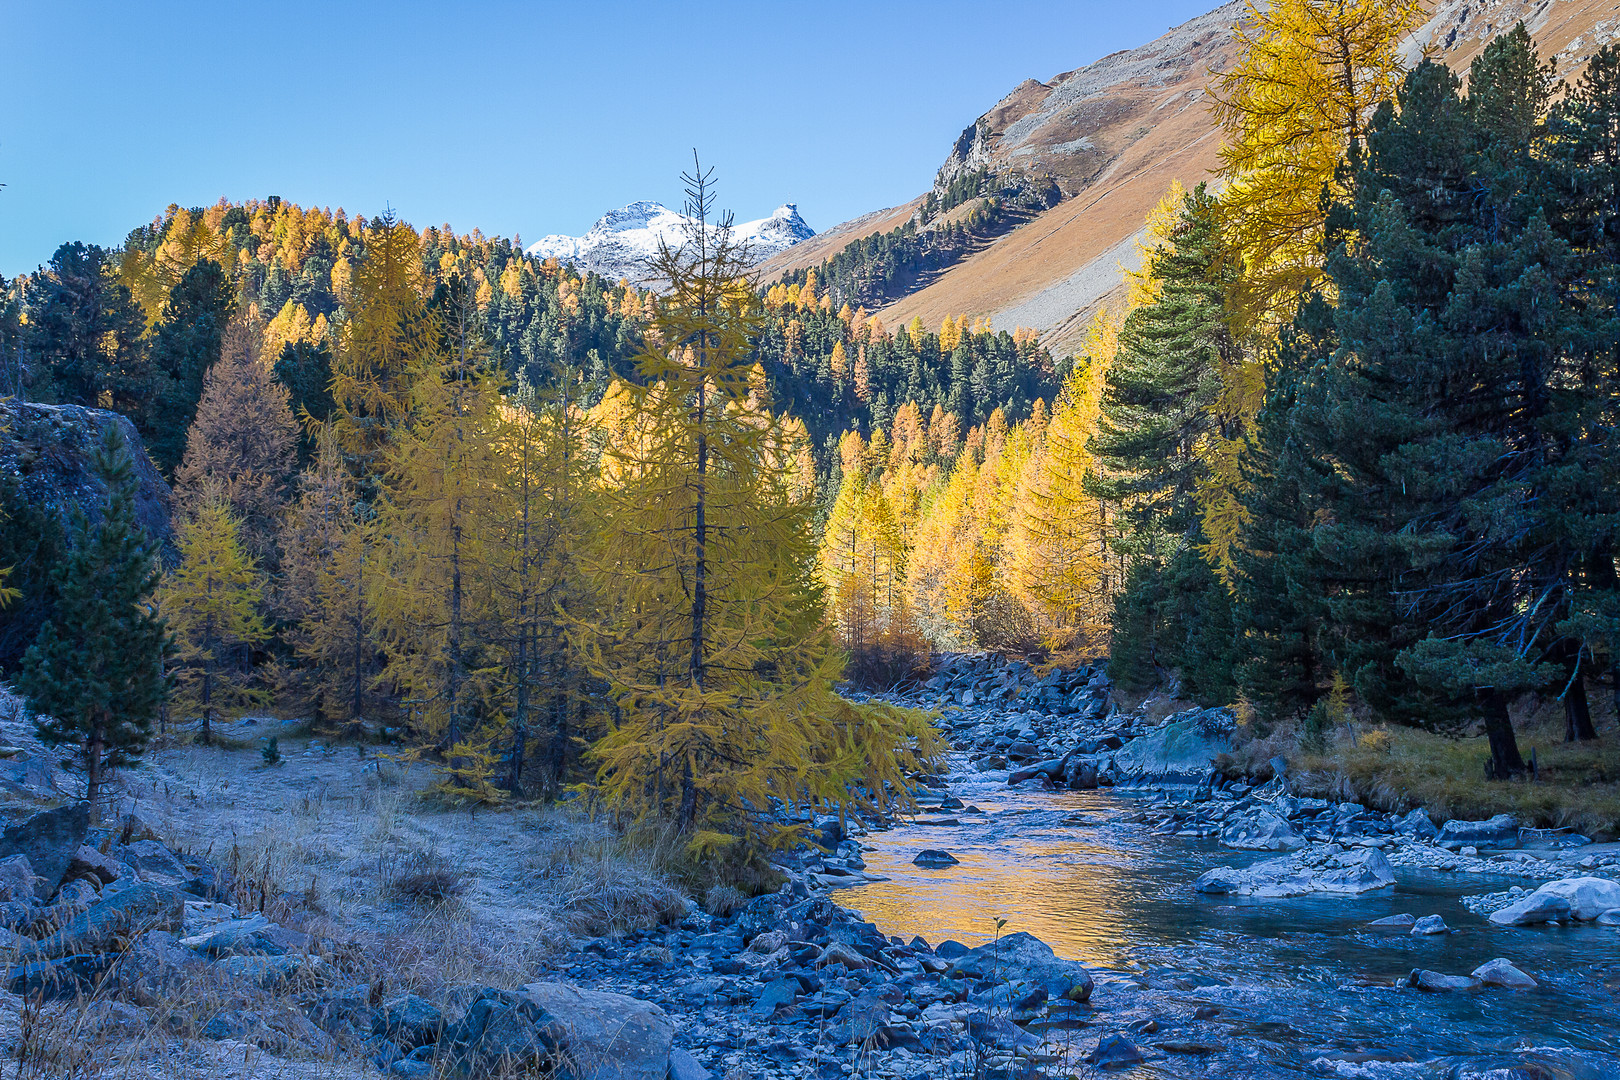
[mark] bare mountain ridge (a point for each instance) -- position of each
(1114, 135)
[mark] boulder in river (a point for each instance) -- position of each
(1583, 898)
(1588, 897)
(1437, 983)
(1533, 910)
(1265, 831)
(1430, 924)
(1502, 972)
(1115, 1052)
(1350, 872)
(1179, 754)
(934, 858)
(1394, 924)
(1501, 831)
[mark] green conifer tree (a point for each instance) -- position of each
(95, 673)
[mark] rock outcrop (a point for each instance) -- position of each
(50, 450)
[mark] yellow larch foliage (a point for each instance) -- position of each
(1308, 76)
(713, 645)
(213, 604)
(382, 336)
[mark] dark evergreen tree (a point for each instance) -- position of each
(95, 674)
(185, 344)
(32, 541)
(1158, 410)
(1279, 670)
(83, 338)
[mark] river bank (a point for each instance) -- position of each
(317, 919)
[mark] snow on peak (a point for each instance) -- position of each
(622, 240)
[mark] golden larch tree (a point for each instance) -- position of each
(213, 604)
(714, 647)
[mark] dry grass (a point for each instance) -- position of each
(405, 896)
(1398, 769)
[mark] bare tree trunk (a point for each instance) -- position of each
(93, 748)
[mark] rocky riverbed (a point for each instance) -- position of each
(1155, 918)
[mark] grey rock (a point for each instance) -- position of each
(153, 862)
(115, 1018)
(1263, 832)
(1394, 924)
(279, 972)
(52, 449)
(89, 863)
(1430, 925)
(156, 968)
(684, 1066)
(1501, 831)
(1435, 982)
(1588, 897)
(80, 893)
(345, 1012)
(1501, 972)
(254, 934)
(999, 1032)
(1416, 825)
(62, 977)
(1027, 957)
(777, 994)
(1609, 918)
(501, 1032)
(1533, 910)
(125, 914)
(408, 1022)
(1115, 1052)
(1180, 753)
(606, 1036)
(1352, 872)
(934, 858)
(49, 840)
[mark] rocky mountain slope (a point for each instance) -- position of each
(1114, 135)
(622, 240)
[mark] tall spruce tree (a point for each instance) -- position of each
(95, 673)
(1159, 411)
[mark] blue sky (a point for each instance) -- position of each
(511, 117)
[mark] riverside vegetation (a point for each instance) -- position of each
(589, 562)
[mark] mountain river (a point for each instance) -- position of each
(1298, 987)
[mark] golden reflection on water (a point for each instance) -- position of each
(1074, 896)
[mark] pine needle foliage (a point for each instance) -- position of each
(95, 672)
(714, 649)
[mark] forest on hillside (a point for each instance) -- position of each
(1344, 451)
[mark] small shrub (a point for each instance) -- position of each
(427, 879)
(271, 751)
(1377, 741)
(722, 900)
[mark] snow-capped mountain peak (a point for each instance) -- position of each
(622, 240)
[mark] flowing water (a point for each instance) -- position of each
(1302, 987)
